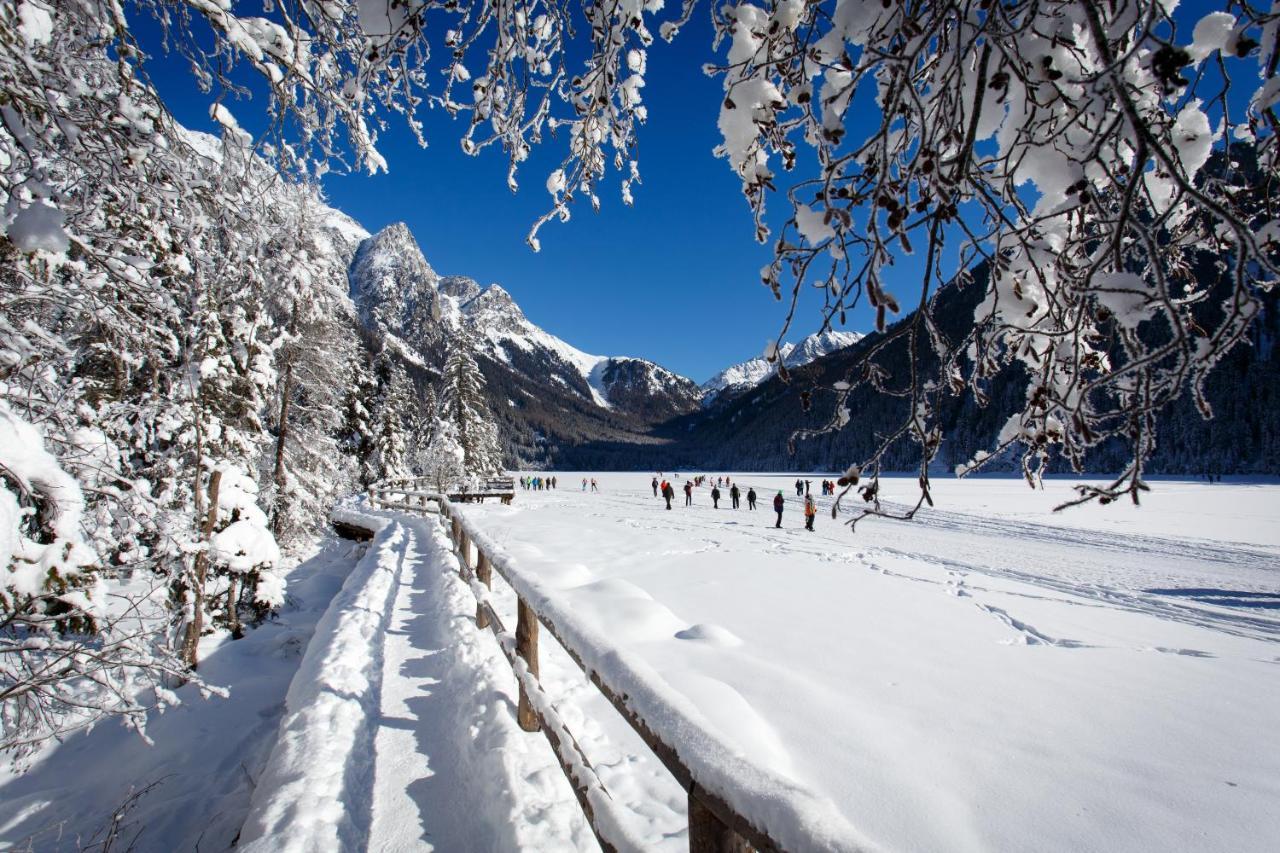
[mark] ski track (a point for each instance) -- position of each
(1095, 553)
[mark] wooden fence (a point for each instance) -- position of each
(713, 824)
(414, 493)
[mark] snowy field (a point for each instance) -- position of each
(988, 677)
(991, 676)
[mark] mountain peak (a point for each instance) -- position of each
(460, 287)
(392, 284)
(752, 372)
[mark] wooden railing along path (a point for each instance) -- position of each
(414, 492)
(713, 824)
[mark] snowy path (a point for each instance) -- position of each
(452, 769)
(990, 677)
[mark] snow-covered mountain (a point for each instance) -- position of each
(542, 389)
(751, 373)
(394, 289)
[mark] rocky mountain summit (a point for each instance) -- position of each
(548, 396)
(748, 374)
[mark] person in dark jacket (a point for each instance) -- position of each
(751, 498)
(799, 488)
(688, 493)
(735, 495)
(668, 492)
(655, 487)
(715, 497)
(778, 503)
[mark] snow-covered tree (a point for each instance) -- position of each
(68, 655)
(463, 407)
(316, 352)
(443, 459)
(389, 453)
(1082, 152)
(358, 430)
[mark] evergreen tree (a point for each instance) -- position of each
(389, 456)
(463, 406)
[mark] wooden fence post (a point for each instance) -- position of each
(527, 648)
(464, 556)
(708, 835)
(484, 572)
(457, 530)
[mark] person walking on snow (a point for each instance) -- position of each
(688, 493)
(778, 503)
(668, 493)
(655, 487)
(584, 484)
(810, 511)
(799, 488)
(751, 498)
(734, 495)
(715, 497)
(593, 485)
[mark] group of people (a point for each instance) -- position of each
(802, 487)
(537, 483)
(665, 490)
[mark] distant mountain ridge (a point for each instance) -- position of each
(559, 407)
(748, 374)
(547, 395)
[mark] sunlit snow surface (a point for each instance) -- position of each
(989, 677)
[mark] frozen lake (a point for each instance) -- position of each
(989, 676)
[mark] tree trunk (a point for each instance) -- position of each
(283, 433)
(233, 609)
(191, 639)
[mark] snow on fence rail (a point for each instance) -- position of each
(734, 803)
(414, 493)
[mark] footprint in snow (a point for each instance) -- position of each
(1165, 650)
(1027, 635)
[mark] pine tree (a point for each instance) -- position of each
(463, 406)
(389, 456)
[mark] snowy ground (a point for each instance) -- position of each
(991, 676)
(208, 753)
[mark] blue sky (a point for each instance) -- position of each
(673, 278)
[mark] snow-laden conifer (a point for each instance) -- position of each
(462, 405)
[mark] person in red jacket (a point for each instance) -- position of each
(810, 512)
(778, 503)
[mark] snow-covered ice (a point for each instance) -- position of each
(991, 676)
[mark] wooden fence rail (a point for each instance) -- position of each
(713, 824)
